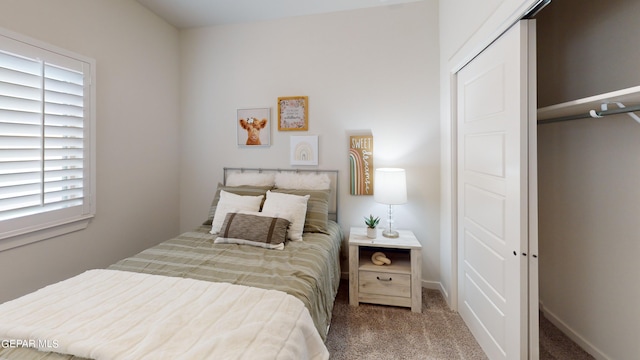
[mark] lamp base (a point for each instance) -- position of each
(390, 233)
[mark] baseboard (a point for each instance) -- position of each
(445, 295)
(573, 335)
(433, 285)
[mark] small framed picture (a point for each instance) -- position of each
(293, 113)
(254, 127)
(304, 150)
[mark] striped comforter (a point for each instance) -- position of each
(309, 269)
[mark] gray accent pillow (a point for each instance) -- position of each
(256, 230)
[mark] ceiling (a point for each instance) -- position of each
(197, 13)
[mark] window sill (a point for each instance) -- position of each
(46, 233)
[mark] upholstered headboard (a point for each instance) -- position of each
(333, 176)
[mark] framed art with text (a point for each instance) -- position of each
(293, 113)
(361, 164)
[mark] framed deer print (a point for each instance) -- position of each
(293, 113)
(253, 127)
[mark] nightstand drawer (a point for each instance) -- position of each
(388, 284)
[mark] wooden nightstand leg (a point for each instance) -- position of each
(354, 259)
(416, 283)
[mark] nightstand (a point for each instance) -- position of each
(397, 284)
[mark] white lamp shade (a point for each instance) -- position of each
(390, 186)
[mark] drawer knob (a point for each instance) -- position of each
(378, 277)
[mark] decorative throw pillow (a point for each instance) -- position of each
(238, 190)
(302, 181)
(230, 202)
(317, 215)
(256, 230)
(292, 204)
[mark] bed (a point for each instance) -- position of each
(220, 294)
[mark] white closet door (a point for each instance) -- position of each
(493, 111)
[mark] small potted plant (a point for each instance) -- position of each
(371, 223)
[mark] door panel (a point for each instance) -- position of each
(484, 154)
(493, 106)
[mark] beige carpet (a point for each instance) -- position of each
(386, 332)
(555, 345)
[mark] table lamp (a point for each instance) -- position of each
(390, 188)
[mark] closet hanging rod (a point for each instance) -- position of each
(593, 114)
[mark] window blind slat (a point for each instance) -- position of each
(62, 195)
(62, 184)
(63, 132)
(14, 155)
(63, 143)
(14, 90)
(63, 75)
(64, 175)
(20, 167)
(37, 208)
(19, 63)
(18, 191)
(18, 77)
(62, 87)
(63, 154)
(53, 165)
(20, 142)
(16, 203)
(18, 104)
(62, 98)
(20, 178)
(19, 117)
(64, 120)
(9, 129)
(63, 109)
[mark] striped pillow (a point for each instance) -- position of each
(317, 208)
(256, 230)
(238, 190)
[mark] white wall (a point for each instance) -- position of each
(589, 171)
(137, 142)
(373, 70)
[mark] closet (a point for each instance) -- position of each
(589, 173)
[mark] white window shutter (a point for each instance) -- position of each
(45, 138)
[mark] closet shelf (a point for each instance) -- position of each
(589, 107)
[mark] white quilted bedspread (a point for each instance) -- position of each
(109, 314)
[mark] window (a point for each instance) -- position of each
(47, 171)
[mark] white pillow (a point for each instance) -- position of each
(310, 181)
(230, 202)
(250, 179)
(296, 206)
